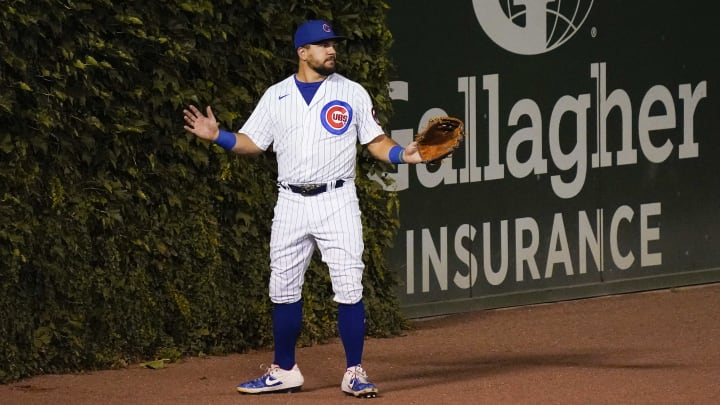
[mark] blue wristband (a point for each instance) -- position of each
(395, 155)
(226, 140)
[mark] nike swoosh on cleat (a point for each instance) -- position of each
(283, 96)
(272, 383)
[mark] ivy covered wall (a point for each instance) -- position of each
(121, 236)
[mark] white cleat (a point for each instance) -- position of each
(355, 382)
(275, 380)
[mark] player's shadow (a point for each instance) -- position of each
(437, 371)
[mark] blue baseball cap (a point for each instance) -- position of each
(314, 31)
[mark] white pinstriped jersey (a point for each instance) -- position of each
(314, 143)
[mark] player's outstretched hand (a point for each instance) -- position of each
(205, 127)
(411, 154)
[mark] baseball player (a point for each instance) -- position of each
(313, 119)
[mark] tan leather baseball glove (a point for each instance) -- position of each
(440, 138)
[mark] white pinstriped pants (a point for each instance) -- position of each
(331, 221)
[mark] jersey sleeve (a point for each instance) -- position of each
(368, 125)
(259, 126)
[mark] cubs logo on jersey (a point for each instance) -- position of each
(336, 116)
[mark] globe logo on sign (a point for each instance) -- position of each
(531, 27)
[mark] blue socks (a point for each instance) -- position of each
(287, 322)
(351, 325)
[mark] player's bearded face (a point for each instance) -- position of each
(322, 58)
(325, 67)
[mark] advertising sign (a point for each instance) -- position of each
(590, 164)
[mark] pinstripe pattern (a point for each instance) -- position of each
(307, 152)
(331, 221)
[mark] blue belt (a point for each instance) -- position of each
(312, 189)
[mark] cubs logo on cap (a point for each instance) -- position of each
(336, 117)
(314, 31)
